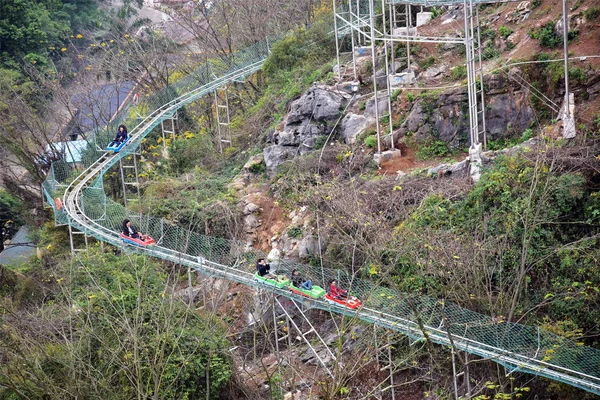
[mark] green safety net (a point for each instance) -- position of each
(518, 347)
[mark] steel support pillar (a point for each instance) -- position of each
(72, 233)
(130, 177)
(168, 130)
(222, 111)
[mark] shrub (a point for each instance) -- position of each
(410, 97)
(547, 36)
(591, 13)
(432, 148)
(371, 141)
(258, 168)
(436, 12)
(295, 232)
(395, 94)
(505, 31)
(490, 51)
(427, 62)
(459, 72)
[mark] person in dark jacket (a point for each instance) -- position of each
(335, 291)
(121, 136)
(129, 230)
(300, 282)
(264, 269)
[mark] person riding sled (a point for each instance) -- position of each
(335, 291)
(120, 137)
(129, 230)
(300, 282)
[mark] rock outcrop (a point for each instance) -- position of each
(445, 116)
(312, 115)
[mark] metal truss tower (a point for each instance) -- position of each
(390, 23)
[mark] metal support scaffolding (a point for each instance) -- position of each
(72, 234)
(398, 27)
(130, 176)
(168, 130)
(303, 334)
(222, 111)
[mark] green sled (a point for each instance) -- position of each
(316, 292)
(282, 283)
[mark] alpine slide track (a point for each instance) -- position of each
(84, 207)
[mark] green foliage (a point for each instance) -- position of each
(298, 48)
(547, 36)
(427, 62)
(203, 200)
(295, 232)
(410, 97)
(258, 168)
(591, 13)
(534, 215)
(504, 143)
(189, 150)
(459, 72)
(505, 31)
(489, 51)
(11, 209)
(128, 334)
(436, 12)
(432, 148)
(35, 31)
(536, 3)
(396, 93)
(555, 73)
(371, 141)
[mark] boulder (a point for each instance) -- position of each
(250, 208)
(308, 246)
(317, 104)
(254, 160)
(276, 155)
(353, 125)
(434, 72)
(382, 106)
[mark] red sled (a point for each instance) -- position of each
(143, 241)
(351, 302)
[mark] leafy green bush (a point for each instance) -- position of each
(427, 62)
(505, 31)
(591, 13)
(459, 72)
(436, 12)
(295, 232)
(190, 150)
(258, 168)
(396, 93)
(410, 97)
(299, 48)
(432, 148)
(490, 51)
(547, 36)
(371, 141)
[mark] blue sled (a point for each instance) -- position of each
(117, 147)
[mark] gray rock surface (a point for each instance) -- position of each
(312, 115)
(276, 155)
(353, 125)
(508, 111)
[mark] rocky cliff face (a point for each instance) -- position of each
(446, 115)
